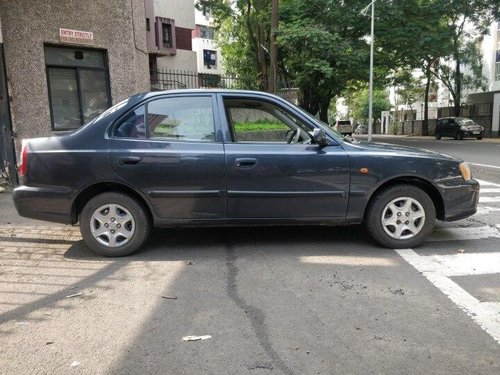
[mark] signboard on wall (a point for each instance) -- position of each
(76, 36)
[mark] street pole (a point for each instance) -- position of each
(370, 103)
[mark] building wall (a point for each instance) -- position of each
(182, 12)
(183, 60)
(200, 44)
(118, 27)
(488, 51)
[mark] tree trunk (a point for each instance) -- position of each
(273, 47)
(425, 122)
(457, 80)
(323, 110)
(264, 78)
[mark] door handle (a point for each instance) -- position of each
(129, 160)
(245, 162)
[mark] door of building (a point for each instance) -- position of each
(7, 153)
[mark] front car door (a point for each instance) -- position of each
(273, 170)
(168, 150)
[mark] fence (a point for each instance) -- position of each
(179, 79)
(166, 79)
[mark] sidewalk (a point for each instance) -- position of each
(429, 137)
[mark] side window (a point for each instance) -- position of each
(254, 121)
(132, 126)
(183, 119)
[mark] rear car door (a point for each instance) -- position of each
(273, 171)
(167, 149)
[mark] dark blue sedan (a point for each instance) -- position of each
(190, 158)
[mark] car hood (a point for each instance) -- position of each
(397, 150)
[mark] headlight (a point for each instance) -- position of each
(465, 171)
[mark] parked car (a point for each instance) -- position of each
(343, 127)
(458, 128)
(196, 157)
(361, 129)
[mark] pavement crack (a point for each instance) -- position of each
(254, 314)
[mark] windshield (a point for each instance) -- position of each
(333, 133)
(465, 122)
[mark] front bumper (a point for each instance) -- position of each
(470, 133)
(46, 204)
(460, 201)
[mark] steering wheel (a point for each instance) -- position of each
(293, 137)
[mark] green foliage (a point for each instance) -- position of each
(261, 125)
(322, 48)
(360, 102)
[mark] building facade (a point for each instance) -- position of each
(169, 25)
(207, 52)
(66, 62)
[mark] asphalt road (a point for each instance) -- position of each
(290, 300)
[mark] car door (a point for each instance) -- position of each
(272, 172)
(443, 127)
(168, 150)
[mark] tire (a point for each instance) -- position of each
(387, 203)
(437, 135)
(479, 138)
(125, 215)
(458, 136)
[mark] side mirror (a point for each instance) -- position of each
(318, 137)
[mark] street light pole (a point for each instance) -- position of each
(370, 103)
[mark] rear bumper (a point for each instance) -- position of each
(46, 204)
(460, 201)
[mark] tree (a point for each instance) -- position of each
(322, 48)
(464, 19)
(245, 36)
(413, 35)
(359, 103)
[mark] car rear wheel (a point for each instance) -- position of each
(437, 135)
(114, 224)
(479, 138)
(401, 216)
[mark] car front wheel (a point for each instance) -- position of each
(401, 216)
(437, 135)
(114, 224)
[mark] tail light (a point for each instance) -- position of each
(23, 165)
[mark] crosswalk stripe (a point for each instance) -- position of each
(489, 199)
(494, 190)
(462, 234)
(467, 264)
(487, 183)
(483, 313)
(487, 209)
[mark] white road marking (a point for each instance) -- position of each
(485, 165)
(494, 190)
(467, 264)
(483, 210)
(486, 314)
(489, 199)
(487, 183)
(460, 234)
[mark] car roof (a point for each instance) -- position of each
(203, 91)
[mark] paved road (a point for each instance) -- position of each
(484, 152)
(298, 300)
